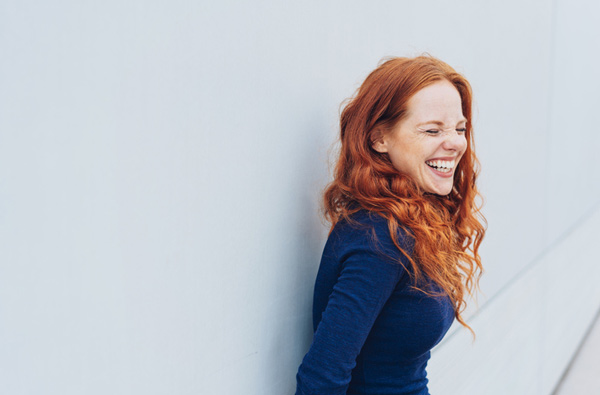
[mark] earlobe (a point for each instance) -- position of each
(378, 142)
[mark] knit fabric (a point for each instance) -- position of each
(373, 331)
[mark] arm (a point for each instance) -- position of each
(368, 277)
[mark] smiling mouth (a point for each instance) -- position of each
(444, 166)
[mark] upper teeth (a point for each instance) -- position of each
(441, 163)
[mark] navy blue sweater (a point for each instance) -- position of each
(373, 332)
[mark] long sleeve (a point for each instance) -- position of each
(369, 271)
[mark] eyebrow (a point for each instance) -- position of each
(439, 123)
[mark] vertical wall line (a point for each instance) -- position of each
(546, 204)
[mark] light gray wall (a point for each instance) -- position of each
(544, 212)
(161, 165)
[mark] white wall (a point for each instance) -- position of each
(160, 173)
(531, 327)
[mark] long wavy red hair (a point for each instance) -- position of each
(447, 230)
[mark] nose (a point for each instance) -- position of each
(455, 141)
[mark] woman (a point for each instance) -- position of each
(402, 254)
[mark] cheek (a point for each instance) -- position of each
(408, 163)
(401, 162)
(465, 145)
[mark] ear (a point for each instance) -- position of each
(378, 141)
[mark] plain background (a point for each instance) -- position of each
(161, 165)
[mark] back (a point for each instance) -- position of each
(373, 332)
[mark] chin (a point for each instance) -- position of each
(443, 191)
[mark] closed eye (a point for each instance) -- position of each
(462, 130)
(432, 131)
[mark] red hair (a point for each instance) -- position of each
(447, 230)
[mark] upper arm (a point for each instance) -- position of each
(369, 275)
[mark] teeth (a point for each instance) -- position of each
(441, 165)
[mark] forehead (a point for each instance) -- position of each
(439, 100)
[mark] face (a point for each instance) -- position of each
(430, 140)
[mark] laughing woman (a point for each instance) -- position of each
(402, 254)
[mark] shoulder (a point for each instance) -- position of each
(369, 230)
